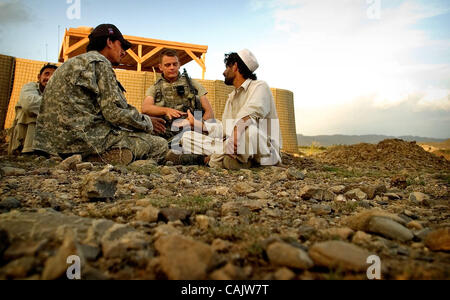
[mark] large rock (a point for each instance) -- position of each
(286, 255)
(70, 163)
(120, 239)
(98, 185)
(143, 164)
(341, 255)
(228, 272)
(390, 229)
(361, 220)
(184, 259)
(9, 204)
(148, 214)
(356, 194)
(438, 240)
(320, 210)
(312, 192)
(294, 174)
(373, 190)
(174, 214)
(56, 266)
(242, 188)
(419, 198)
(259, 195)
(114, 239)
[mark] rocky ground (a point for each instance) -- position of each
(319, 218)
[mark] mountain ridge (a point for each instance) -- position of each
(342, 139)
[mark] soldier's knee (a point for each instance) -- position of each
(162, 144)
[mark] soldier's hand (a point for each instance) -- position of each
(173, 113)
(190, 118)
(181, 124)
(158, 124)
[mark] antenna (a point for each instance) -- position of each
(46, 51)
(57, 55)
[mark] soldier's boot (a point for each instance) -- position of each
(113, 157)
(230, 163)
(185, 159)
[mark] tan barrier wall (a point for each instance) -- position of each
(136, 84)
(7, 64)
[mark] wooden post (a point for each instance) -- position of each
(66, 46)
(139, 65)
(204, 66)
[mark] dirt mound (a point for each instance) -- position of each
(392, 154)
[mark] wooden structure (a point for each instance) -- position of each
(143, 54)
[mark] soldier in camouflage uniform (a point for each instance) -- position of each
(84, 110)
(173, 95)
(27, 110)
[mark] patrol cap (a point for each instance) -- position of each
(109, 30)
(249, 59)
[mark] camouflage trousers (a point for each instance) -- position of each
(143, 145)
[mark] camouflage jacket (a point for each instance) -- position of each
(83, 107)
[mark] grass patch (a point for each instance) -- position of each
(255, 249)
(147, 170)
(198, 204)
(239, 232)
(345, 207)
(341, 172)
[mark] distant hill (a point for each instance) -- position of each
(339, 139)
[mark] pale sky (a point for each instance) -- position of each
(355, 66)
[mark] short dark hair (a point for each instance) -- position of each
(232, 58)
(167, 52)
(47, 66)
(99, 43)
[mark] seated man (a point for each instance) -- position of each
(173, 95)
(84, 110)
(249, 132)
(27, 110)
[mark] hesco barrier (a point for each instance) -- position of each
(136, 83)
(6, 82)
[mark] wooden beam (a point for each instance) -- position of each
(139, 65)
(133, 55)
(77, 45)
(150, 54)
(202, 65)
(66, 47)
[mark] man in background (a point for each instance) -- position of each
(27, 110)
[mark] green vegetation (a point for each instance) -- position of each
(147, 170)
(341, 172)
(198, 204)
(312, 150)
